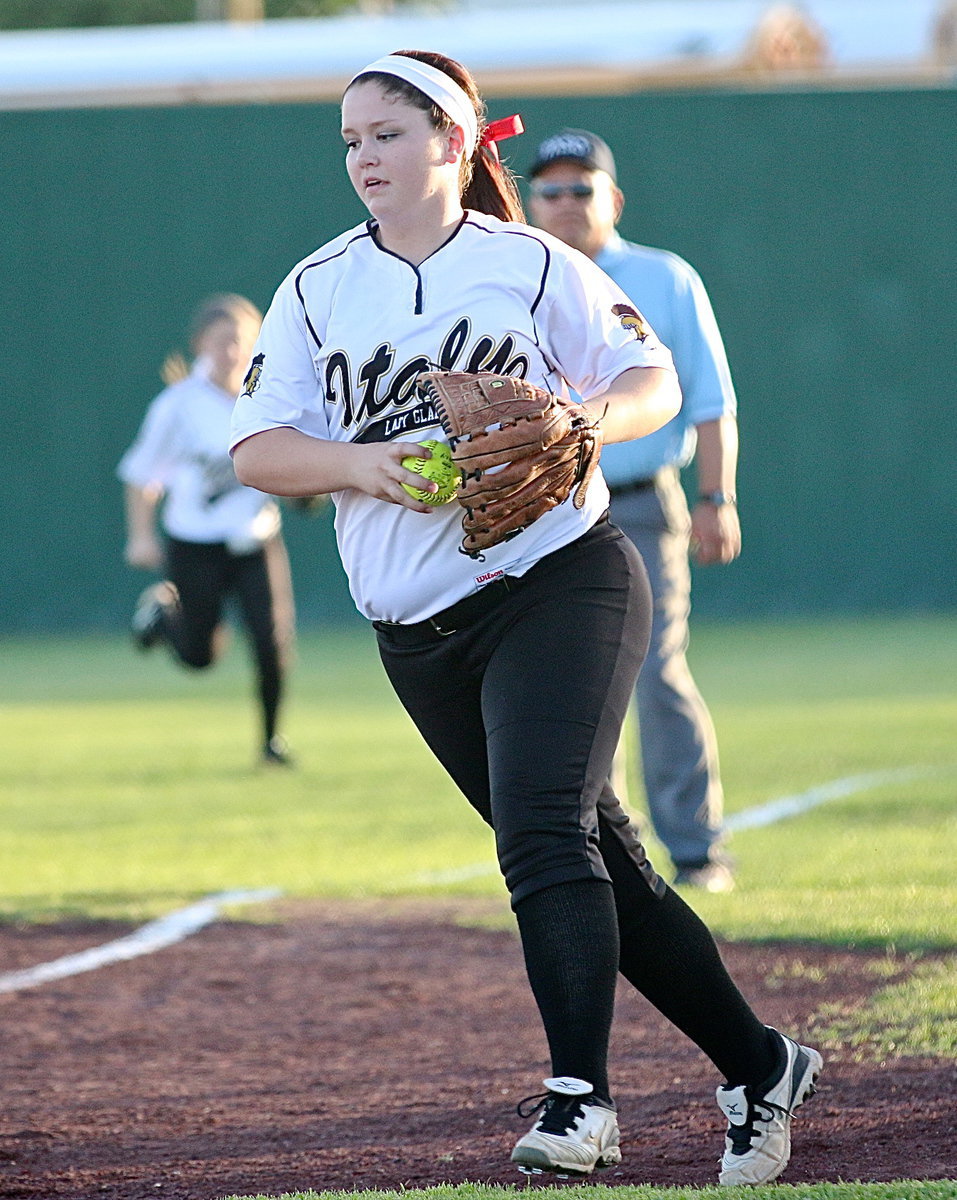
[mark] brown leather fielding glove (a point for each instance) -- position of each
(521, 450)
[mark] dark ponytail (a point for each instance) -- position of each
(487, 185)
(492, 188)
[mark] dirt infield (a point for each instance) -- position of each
(357, 1046)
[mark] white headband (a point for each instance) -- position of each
(440, 88)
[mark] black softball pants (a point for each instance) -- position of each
(206, 575)
(523, 706)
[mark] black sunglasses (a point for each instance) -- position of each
(552, 191)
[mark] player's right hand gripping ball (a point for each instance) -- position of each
(439, 469)
(521, 450)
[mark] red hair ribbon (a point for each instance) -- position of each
(498, 131)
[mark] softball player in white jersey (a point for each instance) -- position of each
(221, 540)
(517, 669)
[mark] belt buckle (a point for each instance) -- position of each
(439, 630)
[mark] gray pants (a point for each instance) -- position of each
(679, 752)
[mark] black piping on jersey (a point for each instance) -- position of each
(373, 227)
(321, 263)
(532, 238)
(546, 266)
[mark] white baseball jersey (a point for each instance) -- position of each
(351, 327)
(181, 449)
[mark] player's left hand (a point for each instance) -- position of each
(521, 451)
(715, 534)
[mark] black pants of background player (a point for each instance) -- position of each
(523, 706)
(207, 575)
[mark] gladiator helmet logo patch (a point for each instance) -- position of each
(631, 319)
(251, 382)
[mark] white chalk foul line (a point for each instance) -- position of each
(153, 936)
(454, 874)
(750, 818)
(186, 921)
(835, 789)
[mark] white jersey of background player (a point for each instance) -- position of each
(181, 451)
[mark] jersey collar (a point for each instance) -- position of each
(372, 225)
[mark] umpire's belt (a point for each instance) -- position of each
(457, 616)
(634, 485)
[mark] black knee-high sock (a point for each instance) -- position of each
(570, 939)
(270, 694)
(668, 954)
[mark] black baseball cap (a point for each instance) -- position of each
(577, 146)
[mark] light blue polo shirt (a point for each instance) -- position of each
(669, 292)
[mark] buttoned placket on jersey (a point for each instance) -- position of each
(416, 270)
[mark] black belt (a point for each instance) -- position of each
(457, 616)
(636, 485)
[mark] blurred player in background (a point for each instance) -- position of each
(220, 540)
(574, 195)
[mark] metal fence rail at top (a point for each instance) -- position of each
(614, 46)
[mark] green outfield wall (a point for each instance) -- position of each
(824, 224)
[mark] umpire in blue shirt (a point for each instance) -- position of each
(575, 196)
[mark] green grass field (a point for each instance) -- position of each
(901, 1190)
(127, 789)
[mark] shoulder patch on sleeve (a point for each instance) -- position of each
(631, 319)
(251, 382)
